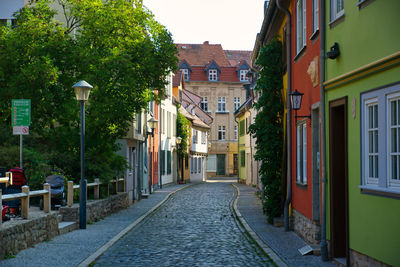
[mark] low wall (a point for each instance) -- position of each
(22, 234)
(97, 209)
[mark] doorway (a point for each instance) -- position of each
(235, 164)
(338, 182)
(220, 164)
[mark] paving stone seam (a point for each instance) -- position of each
(92, 258)
(274, 256)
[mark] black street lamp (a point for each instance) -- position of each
(82, 91)
(178, 142)
(152, 124)
(295, 100)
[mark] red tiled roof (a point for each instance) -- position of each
(202, 54)
(228, 74)
(236, 56)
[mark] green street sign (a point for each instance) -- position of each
(21, 112)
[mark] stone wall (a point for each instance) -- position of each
(97, 209)
(358, 259)
(19, 235)
(309, 230)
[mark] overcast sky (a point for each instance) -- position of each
(232, 23)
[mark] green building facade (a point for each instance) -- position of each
(362, 100)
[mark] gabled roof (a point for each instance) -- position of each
(196, 99)
(202, 54)
(212, 65)
(185, 65)
(243, 65)
(244, 107)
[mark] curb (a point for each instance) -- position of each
(117, 237)
(274, 257)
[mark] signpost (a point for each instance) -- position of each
(21, 120)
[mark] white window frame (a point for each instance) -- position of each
(221, 104)
(335, 12)
(243, 75)
(236, 103)
(194, 139)
(212, 75)
(221, 132)
(315, 15)
(301, 153)
(204, 103)
(370, 179)
(301, 26)
(384, 184)
(185, 73)
(391, 182)
(235, 132)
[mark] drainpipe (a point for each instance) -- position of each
(324, 247)
(288, 115)
(237, 122)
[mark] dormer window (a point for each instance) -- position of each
(243, 75)
(185, 73)
(212, 75)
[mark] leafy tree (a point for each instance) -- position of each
(115, 45)
(268, 126)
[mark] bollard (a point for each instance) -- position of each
(47, 198)
(70, 196)
(97, 188)
(25, 203)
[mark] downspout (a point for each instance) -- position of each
(237, 122)
(159, 143)
(288, 115)
(324, 247)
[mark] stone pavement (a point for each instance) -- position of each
(82, 247)
(283, 244)
(74, 247)
(195, 227)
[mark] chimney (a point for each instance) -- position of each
(206, 43)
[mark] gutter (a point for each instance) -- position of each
(324, 247)
(288, 116)
(237, 122)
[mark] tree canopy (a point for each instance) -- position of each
(116, 45)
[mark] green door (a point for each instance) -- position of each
(220, 164)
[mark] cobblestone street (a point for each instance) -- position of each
(195, 227)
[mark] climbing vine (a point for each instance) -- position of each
(182, 131)
(268, 126)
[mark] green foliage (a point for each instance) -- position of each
(115, 45)
(183, 131)
(268, 126)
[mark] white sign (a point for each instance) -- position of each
(20, 130)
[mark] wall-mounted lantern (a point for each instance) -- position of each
(295, 100)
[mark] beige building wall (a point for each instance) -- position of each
(213, 90)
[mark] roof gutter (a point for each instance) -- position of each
(288, 115)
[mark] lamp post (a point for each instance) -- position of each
(82, 91)
(178, 142)
(152, 124)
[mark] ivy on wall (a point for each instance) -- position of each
(182, 131)
(268, 127)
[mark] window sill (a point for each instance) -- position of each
(336, 21)
(364, 3)
(222, 112)
(315, 35)
(380, 191)
(300, 53)
(301, 185)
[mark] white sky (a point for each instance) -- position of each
(232, 23)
